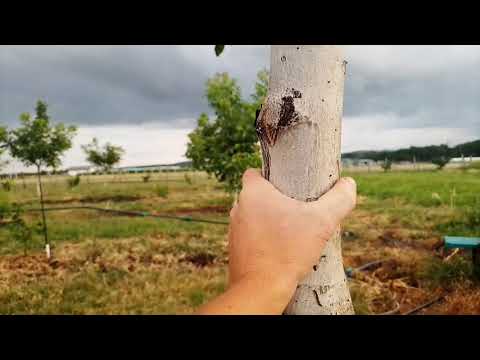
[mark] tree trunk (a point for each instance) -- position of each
(44, 219)
(299, 127)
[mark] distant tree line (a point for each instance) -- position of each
(424, 153)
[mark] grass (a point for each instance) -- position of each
(446, 274)
(108, 264)
(426, 188)
(161, 191)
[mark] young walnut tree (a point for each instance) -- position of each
(299, 127)
(105, 157)
(226, 144)
(41, 144)
(3, 145)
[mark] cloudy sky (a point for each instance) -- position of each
(147, 98)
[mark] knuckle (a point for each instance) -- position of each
(329, 224)
(247, 175)
(348, 194)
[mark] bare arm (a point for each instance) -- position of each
(274, 241)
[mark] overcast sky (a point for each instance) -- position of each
(147, 98)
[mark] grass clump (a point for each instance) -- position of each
(161, 191)
(73, 182)
(465, 223)
(446, 273)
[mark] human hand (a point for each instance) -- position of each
(280, 239)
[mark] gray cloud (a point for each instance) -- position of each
(424, 86)
(411, 86)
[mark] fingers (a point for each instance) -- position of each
(339, 201)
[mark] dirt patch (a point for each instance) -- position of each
(401, 238)
(201, 259)
(30, 266)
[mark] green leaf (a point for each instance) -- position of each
(219, 49)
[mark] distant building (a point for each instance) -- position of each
(152, 168)
(466, 159)
(79, 170)
(358, 162)
(364, 162)
(347, 162)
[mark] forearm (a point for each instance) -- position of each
(253, 295)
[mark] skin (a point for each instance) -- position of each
(274, 241)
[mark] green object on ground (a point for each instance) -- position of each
(472, 243)
(452, 242)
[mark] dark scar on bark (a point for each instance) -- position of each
(267, 133)
(296, 94)
(287, 112)
(317, 297)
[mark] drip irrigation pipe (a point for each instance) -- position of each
(133, 213)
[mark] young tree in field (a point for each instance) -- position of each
(39, 143)
(227, 145)
(3, 139)
(105, 157)
(440, 161)
(299, 128)
(387, 165)
(3, 145)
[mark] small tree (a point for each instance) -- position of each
(105, 157)
(39, 143)
(19, 230)
(387, 165)
(73, 182)
(440, 161)
(3, 145)
(227, 145)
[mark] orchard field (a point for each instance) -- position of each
(110, 263)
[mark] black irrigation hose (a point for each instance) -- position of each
(350, 271)
(427, 304)
(133, 213)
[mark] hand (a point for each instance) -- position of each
(274, 241)
(274, 236)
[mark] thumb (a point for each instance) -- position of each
(339, 201)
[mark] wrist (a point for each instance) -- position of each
(273, 289)
(255, 293)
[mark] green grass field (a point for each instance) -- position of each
(109, 264)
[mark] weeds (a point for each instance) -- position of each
(188, 179)
(161, 191)
(441, 273)
(465, 223)
(73, 182)
(6, 185)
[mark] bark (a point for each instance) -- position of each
(45, 231)
(299, 128)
